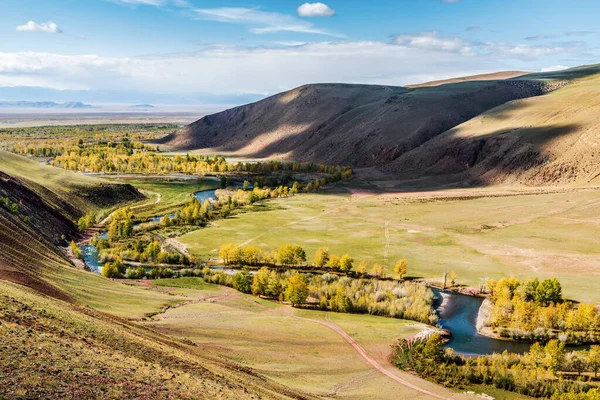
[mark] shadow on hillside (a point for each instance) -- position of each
(348, 127)
(450, 161)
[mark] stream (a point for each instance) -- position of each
(90, 252)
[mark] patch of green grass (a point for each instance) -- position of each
(542, 235)
(268, 338)
(186, 282)
(174, 194)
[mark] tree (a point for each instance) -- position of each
(549, 291)
(361, 268)
(274, 286)
(449, 276)
(76, 251)
(346, 263)
(434, 348)
(290, 255)
(242, 281)
(377, 271)
(593, 359)
(334, 262)
(246, 186)
(296, 291)
(260, 282)
(110, 271)
(321, 257)
(400, 268)
(225, 252)
(555, 355)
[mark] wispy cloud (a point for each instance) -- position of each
(155, 3)
(473, 29)
(263, 21)
(579, 33)
(46, 27)
(276, 67)
(434, 41)
(315, 10)
(539, 37)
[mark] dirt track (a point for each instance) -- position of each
(370, 359)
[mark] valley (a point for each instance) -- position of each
(469, 202)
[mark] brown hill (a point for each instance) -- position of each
(482, 77)
(354, 125)
(546, 140)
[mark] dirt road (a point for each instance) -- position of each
(370, 359)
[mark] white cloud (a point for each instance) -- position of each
(265, 22)
(234, 70)
(315, 10)
(579, 33)
(47, 27)
(554, 68)
(155, 3)
(539, 37)
(435, 42)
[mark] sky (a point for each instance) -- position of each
(204, 51)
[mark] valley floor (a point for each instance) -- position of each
(302, 349)
(483, 233)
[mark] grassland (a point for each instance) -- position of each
(268, 338)
(484, 236)
(53, 349)
(173, 193)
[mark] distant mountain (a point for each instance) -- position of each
(43, 104)
(143, 106)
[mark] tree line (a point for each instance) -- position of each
(536, 310)
(547, 371)
(290, 256)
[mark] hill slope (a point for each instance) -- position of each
(57, 339)
(354, 125)
(547, 140)
(509, 130)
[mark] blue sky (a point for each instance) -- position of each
(201, 50)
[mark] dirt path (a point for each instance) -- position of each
(370, 360)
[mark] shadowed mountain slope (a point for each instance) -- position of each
(355, 125)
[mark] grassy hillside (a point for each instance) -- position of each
(54, 349)
(551, 139)
(356, 125)
(534, 129)
(66, 332)
(72, 193)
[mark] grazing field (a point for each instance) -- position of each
(477, 233)
(269, 338)
(173, 193)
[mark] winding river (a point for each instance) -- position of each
(90, 252)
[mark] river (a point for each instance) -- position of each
(90, 252)
(458, 314)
